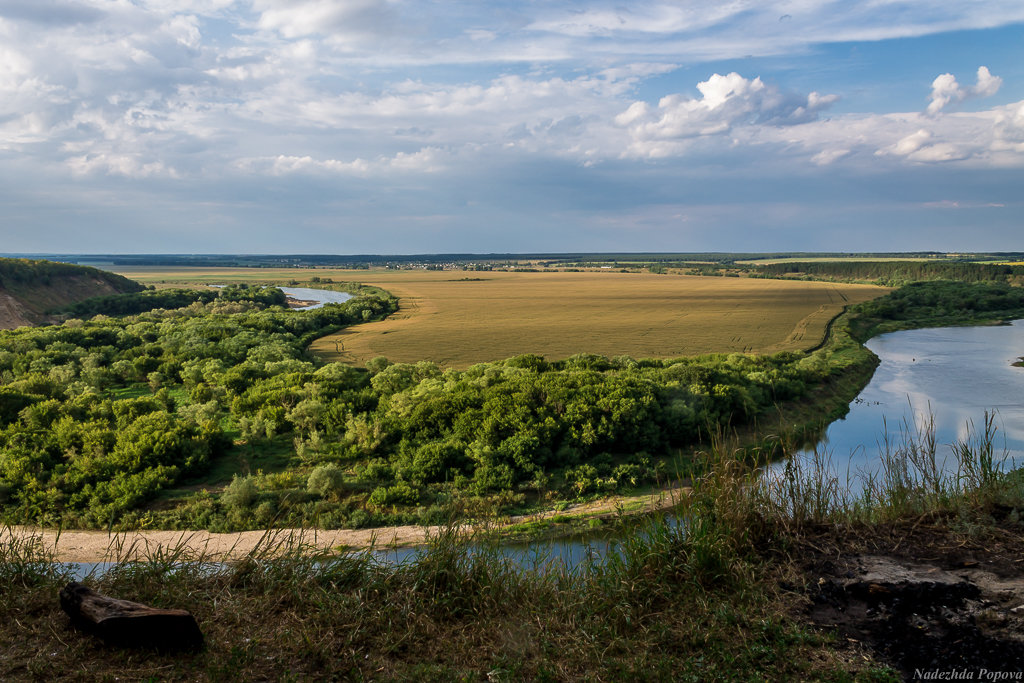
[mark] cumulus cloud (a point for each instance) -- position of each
(726, 102)
(945, 89)
(920, 146)
(742, 118)
(236, 93)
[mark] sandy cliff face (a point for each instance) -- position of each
(12, 313)
(29, 305)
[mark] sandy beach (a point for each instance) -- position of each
(101, 546)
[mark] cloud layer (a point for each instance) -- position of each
(161, 100)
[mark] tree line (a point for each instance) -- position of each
(895, 273)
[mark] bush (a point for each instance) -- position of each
(360, 519)
(240, 493)
(326, 480)
(399, 494)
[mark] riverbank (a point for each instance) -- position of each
(85, 546)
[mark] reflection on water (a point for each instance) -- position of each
(320, 296)
(952, 373)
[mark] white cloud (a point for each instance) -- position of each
(979, 139)
(349, 20)
(481, 35)
(959, 204)
(945, 89)
(232, 93)
(725, 103)
(918, 146)
(118, 164)
(650, 18)
(828, 156)
(987, 84)
(426, 160)
(737, 116)
(712, 30)
(1008, 125)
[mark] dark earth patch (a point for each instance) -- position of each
(924, 602)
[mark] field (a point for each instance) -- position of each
(457, 318)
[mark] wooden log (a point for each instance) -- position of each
(130, 624)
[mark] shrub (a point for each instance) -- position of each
(326, 480)
(240, 493)
(399, 494)
(360, 519)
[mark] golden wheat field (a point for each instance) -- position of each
(458, 318)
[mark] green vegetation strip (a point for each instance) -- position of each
(212, 416)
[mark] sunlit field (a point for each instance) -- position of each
(457, 318)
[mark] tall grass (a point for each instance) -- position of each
(26, 562)
(912, 480)
(690, 596)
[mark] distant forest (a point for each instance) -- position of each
(896, 272)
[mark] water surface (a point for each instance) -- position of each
(320, 296)
(953, 374)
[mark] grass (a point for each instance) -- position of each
(652, 612)
(456, 322)
(912, 481)
(270, 456)
(704, 600)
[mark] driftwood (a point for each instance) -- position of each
(130, 624)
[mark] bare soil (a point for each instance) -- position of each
(28, 305)
(922, 600)
(12, 313)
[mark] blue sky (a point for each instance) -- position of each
(411, 126)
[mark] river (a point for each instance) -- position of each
(320, 296)
(949, 374)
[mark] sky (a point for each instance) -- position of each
(432, 126)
